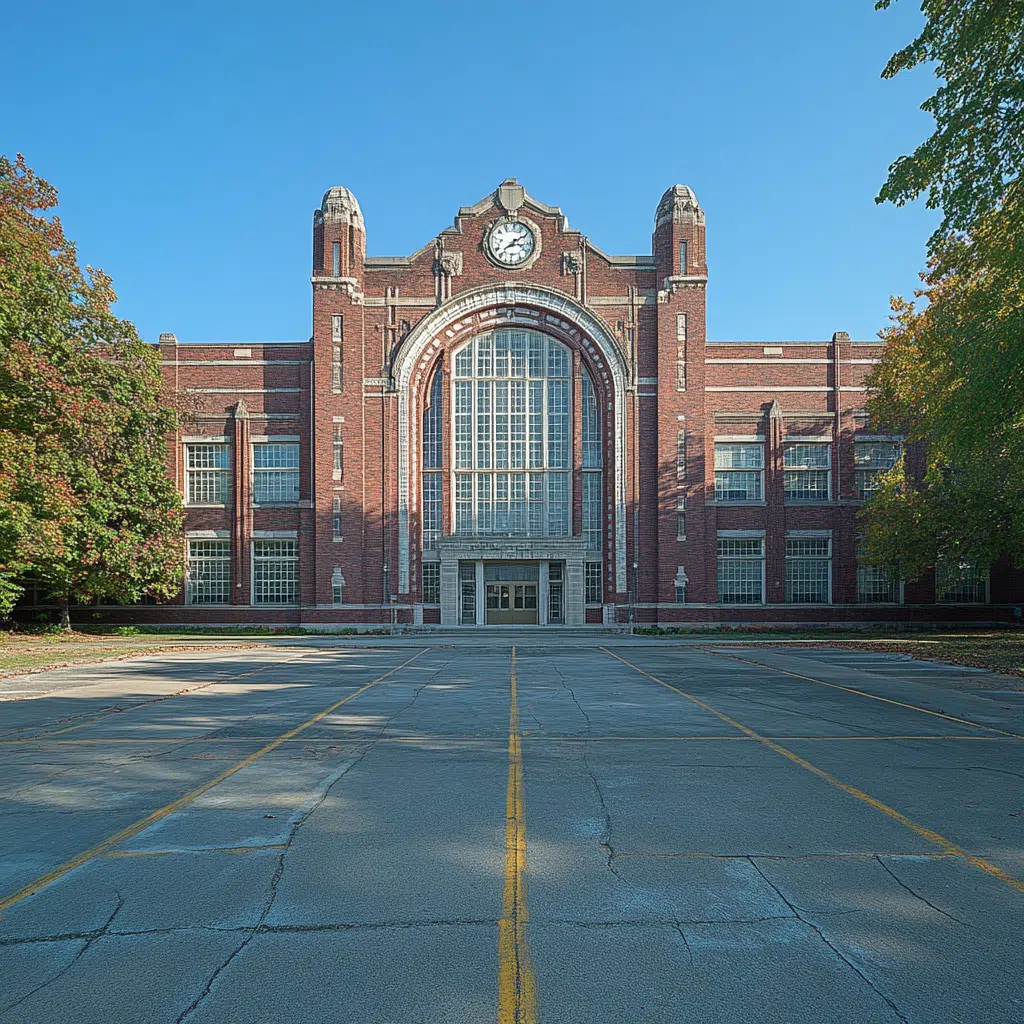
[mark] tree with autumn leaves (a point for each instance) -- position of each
(87, 509)
(952, 373)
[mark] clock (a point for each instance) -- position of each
(511, 243)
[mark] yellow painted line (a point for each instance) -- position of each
(175, 805)
(517, 987)
(707, 855)
(208, 849)
(862, 693)
(948, 847)
(169, 696)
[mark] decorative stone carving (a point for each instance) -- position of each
(511, 196)
(679, 204)
(340, 206)
(448, 263)
(572, 262)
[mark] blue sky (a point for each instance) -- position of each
(191, 142)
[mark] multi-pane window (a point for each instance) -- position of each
(871, 459)
(433, 437)
(959, 581)
(336, 259)
(681, 351)
(680, 585)
(431, 583)
(206, 474)
(807, 472)
(338, 444)
(592, 581)
(275, 571)
(683, 261)
(209, 572)
(741, 570)
(876, 586)
(681, 518)
(681, 454)
(511, 417)
(593, 499)
(808, 570)
(275, 478)
(336, 517)
(337, 338)
(739, 472)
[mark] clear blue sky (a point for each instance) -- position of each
(191, 141)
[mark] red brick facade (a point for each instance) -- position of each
(636, 326)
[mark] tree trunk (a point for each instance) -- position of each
(65, 614)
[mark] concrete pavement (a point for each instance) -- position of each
(649, 831)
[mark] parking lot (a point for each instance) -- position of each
(511, 827)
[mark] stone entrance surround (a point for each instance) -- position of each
(456, 549)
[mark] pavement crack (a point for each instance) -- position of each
(88, 939)
(605, 842)
(835, 949)
(686, 943)
(913, 892)
(296, 823)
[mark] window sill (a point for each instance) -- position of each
(337, 540)
(274, 604)
(807, 502)
(276, 504)
(738, 504)
(190, 504)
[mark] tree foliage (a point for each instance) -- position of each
(952, 374)
(977, 148)
(86, 507)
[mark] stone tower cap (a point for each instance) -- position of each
(678, 203)
(340, 206)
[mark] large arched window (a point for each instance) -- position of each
(433, 448)
(511, 428)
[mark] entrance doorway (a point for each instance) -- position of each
(512, 604)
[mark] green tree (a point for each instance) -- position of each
(86, 507)
(952, 373)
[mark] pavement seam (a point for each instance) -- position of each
(926, 833)
(144, 823)
(87, 939)
(841, 955)
(860, 693)
(913, 892)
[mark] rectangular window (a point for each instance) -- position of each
(807, 472)
(741, 570)
(681, 454)
(808, 570)
(875, 586)
(593, 583)
(206, 474)
(680, 589)
(337, 337)
(336, 593)
(431, 510)
(681, 338)
(209, 572)
(592, 511)
(431, 591)
(336, 259)
(683, 261)
(681, 518)
(958, 581)
(739, 472)
(275, 571)
(871, 459)
(338, 443)
(275, 478)
(336, 517)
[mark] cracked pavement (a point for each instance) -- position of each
(678, 869)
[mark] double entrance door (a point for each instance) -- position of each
(512, 603)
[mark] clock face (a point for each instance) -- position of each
(511, 243)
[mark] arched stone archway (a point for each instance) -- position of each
(484, 309)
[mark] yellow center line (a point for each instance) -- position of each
(861, 693)
(948, 847)
(175, 805)
(517, 988)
